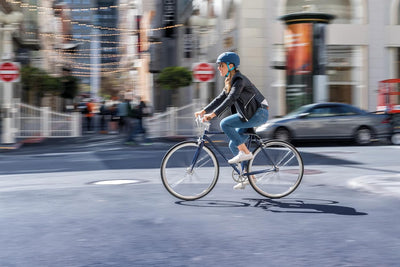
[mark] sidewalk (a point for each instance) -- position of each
(88, 138)
(21, 142)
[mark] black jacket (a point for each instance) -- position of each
(244, 98)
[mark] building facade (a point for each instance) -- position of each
(166, 48)
(95, 28)
(19, 40)
(362, 45)
(137, 39)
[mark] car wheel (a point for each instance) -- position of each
(363, 136)
(396, 139)
(282, 134)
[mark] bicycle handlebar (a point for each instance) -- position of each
(205, 125)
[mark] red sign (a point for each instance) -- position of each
(9, 71)
(203, 72)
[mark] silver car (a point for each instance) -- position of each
(326, 121)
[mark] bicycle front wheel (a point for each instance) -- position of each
(189, 172)
(276, 169)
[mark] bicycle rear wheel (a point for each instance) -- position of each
(189, 172)
(277, 168)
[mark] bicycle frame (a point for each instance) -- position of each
(275, 170)
(205, 137)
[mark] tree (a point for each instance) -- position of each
(32, 80)
(36, 83)
(110, 86)
(70, 87)
(51, 85)
(172, 78)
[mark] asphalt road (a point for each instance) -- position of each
(61, 205)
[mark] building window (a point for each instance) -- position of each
(344, 73)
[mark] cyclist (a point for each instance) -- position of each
(248, 106)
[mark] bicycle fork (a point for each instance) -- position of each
(196, 156)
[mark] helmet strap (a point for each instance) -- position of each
(229, 69)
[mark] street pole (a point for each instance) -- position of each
(203, 85)
(95, 62)
(202, 26)
(8, 134)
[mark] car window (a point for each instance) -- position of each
(320, 112)
(300, 110)
(344, 111)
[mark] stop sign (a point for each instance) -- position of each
(9, 71)
(203, 72)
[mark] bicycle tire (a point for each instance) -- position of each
(277, 167)
(184, 181)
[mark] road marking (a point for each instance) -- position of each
(388, 184)
(116, 182)
(32, 171)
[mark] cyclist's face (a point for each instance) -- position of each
(223, 69)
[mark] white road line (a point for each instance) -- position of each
(386, 184)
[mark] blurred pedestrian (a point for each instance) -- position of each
(136, 114)
(114, 120)
(103, 117)
(141, 113)
(122, 113)
(89, 115)
(133, 123)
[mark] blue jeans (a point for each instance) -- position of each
(234, 127)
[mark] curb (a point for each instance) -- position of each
(10, 146)
(20, 143)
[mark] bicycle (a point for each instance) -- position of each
(190, 169)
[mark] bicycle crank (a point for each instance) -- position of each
(239, 178)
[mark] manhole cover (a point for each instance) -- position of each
(117, 182)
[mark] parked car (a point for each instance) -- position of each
(327, 121)
(395, 122)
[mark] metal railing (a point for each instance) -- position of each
(30, 121)
(174, 122)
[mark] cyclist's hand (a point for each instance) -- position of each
(199, 113)
(208, 117)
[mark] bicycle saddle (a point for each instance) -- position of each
(250, 131)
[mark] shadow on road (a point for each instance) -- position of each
(287, 205)
(319, 159)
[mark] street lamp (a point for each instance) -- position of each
(8, 24)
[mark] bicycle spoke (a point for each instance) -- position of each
(283, 158)
(278, 169)
(205, 159)
(178, 182)
(190, 181)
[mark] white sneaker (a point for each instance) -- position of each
(242, 185)
(240, 157)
